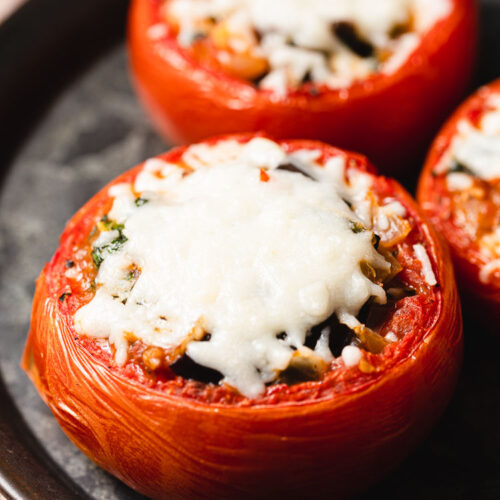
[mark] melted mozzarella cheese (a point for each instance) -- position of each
(478, 148)
(296, 34)
(423, 257)
(221, 250)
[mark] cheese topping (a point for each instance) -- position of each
(421, 253)
(287, 42)
(475, 150)
(233, 256)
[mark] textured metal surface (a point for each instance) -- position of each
(95, 130)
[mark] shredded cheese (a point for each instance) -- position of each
(351, 355)
(486, 271)
(423, 257)
(215, 249)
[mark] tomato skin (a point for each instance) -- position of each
(482, 298)
(389, 118)
(166, 446)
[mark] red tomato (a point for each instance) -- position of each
(442, 208)
(390, 118)
(169, 437)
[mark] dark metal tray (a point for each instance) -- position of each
(69, 124)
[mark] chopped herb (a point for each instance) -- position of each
(110, 225)
(115, 245)
(97, 257)
(130, 276)
(140, 201)
(356, 227)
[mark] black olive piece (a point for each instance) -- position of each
(456, 166)
(296, 375)
(376, 241)
(346, 32)
(284, 336)
(69, 264)
(187, 368)
(340, 335)
(307, 77)
(62, 297)
(258, 35)
(290, 167)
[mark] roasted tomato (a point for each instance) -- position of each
(459, 189)
(381, 89)
(247, 318)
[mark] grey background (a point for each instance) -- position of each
(95, 130)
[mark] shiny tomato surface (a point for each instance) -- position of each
(389, 117)
(170, 437)
(482, 211)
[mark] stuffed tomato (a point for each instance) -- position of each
(459, 189)
(244, 317)
(364, 75)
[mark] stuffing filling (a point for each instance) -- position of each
(285, 44)
(247, 265)
(471, 166)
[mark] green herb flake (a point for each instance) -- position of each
(97, 257)
(98, 253)
(356, 227)
(139, 202)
